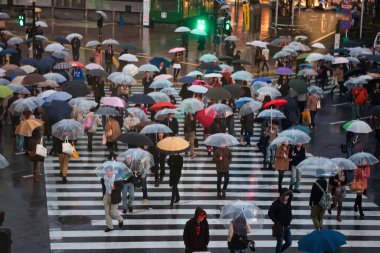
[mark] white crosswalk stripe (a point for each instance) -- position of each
(154, 226)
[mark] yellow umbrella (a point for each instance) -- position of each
(27, 127)
(37, 9)
(173, 145)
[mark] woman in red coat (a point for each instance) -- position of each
(361, 173)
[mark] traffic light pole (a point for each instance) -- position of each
(34, 27)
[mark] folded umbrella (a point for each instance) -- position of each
(173, 145)
(357, 126)
(221, 140)
(77, 88)
(141, 99)
(155, 128)
(107, 111)
(113, 102)
(67, 128)
(135, 139)
(57, 110)
(191, 105)
(321, 241)
(161, 105)
(27, 127)
(363, 159)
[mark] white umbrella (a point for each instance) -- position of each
(208, 58)
(197, 89)
(198, 32)
(182, 29)
(328, 57)
(195, 73)
(41, 23)
(46, 94)
(318, 45)
(231, 38)
(169, 91)
(54, 47)
(28, 69)
(130, 69)
(93, 43)
(149, 68)
(102, 13)
(212, 75)
(258, 43)
(242, 76)
(41, 37)
(272, 92)
(314, 57)
(74, 35)
(92, 66)
(340, 60)
(359, 127)
(110, 42)
(353, 59)
(4, 15)
(163, 77)
(15, 41)
(300, 37)
(119, 77)
(55, 77)
(128, 57)
(356, 51)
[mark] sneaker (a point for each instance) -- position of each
(121, 223)
(108, 230)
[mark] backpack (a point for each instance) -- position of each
(325, 201)
(88, 122)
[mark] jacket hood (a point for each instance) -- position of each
(198, 211)
(285, 192)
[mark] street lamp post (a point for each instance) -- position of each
(361, 19)
(34, 26)
(276, 18)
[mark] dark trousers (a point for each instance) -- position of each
(358, 202)
(176, 72)
(75, 54)
(175, 194)
(111, 148)
(280, 178)
(301, 107)
(265, 64)
(312, 116)
(160, 166)
(89, 140)
(247, 136)
(109, 67)
(281, 247)
(226, 176)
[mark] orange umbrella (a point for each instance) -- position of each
(173, 145)
(160, 105)
(27, 127)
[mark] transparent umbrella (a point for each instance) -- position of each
(344, 163)
(242, 76)
(149, 68)
(3, 162)
(221, 110)
(155, 128)
(268, 90)
(297, 135)
(169, 91)
(163, 114)
(137, 159)
(68, 128)
(250, 107)
(363, 158)
(315, 90)
(208, 58)
(281, 140)
(83, 104)
(221, 140)
(271, 113)
(191, 105)
(131, 69)
(318, 166)
(159, 97)
(140, 114)
(242, 214)
(160, 84)
(115, 169)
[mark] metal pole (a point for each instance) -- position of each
(292, 14)
(361, 19)
(276, 18)
(34, 27)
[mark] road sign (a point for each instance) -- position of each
(345, 25)
(346, 6)
(347, 1)
(346, 12)
(345, 39)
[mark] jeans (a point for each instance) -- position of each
(312, 116)
(356, 111)
(288, 240)
(247, 137)
(129, 188)
(296, 178)
(144, 188)
(317, 213)
(226, 176)
(19, 142)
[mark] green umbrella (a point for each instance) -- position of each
(5, 91)
(357, 126)
(129, 47)
(298, 86)
(303, 56)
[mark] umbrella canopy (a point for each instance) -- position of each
(5, 91)
(142, 99)
(61, 66)
(159, 97)
(344, 164)
(206, 117)
(281, 54)
(4, 15)
(241, 212)
(158, 59)
(357, 126)
(113, 169)
(315, 90)
(340, 60)
(231, 38)
(29, 61)
(3, 162)
(155, 128)
(353, 59)
(281, 140)
(241, 101)
(318, 241)
(15, 41)
(298, 85)
(271, 113)
(54, 47)
(302, 128)
(110, 42)
(259, 84)
(93, 43)
(236, 91)
(198, 32)
(137, 159)
(15, 72)
(77, 88)
(222, 110)
(272, 92)
(28, 68)
(46, 93)
(25, 104)
(160, 84)
(363, 159)
(169, 91)
(107, 111)
(209, 66)
(128, 58)
(218, 93)
(140, 114)
(221, 140)
(135, 139)
(357, 51)
(208, 58)
(102, 13)
(198, 89)
(307, 72)
(242, 76)
(76, 64)
(57, 110)
(59, 95)
(97, 72)
(182, 29)
(27, 127)
(191, 105)
(329, 58)
(113, 102)
(61, 40)
(195, 73)
(318, 166)
(250, 107)
(241, 61)
(163, 114)
(314, 57)
(119, 77)
(148, 68)
(173, 145)
(176, 50)
(83, 104)
(74, 35)
(298, 136)
(17, 88)
(284, 71)
(67, 128)
(275, 103)
(58, 78)
(161, 105)
(49, 83)
(4, 81)
(130, 69)
(318, 45)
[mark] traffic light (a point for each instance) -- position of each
(21, 18)
(227, 27)
(201, 24)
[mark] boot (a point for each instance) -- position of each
(338, 218)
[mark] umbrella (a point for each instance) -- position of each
(4, 15)
(218, 93)
(241, 212)
(258, 43)
(62, 66)
(271, 113)
(76, 64)
(275, 103)
(135, 155)
(344, 163)
(353, 71)
(272, 92)
(206, 117)
(27, 127)
(15, 41)
(301, 128)
(357, 126)
(209, 66)
(236, 91)
(74, 35)
(54, 47)
(140, 114)
(161, 105)
(191, 105)
(60, 55)
(148, 68)
(307, 72)
(284, 71)
(300, 37)
(93, 43)
(250, 107)
(297, 135)
(102, 13)
(143, 124)
(41, 24)
(67, 128)
(231, 38)
(353, 59)
(173, 145)
(46, 63)
(281, 41)
(186, 79)
(83, 104)
(59, 95)
(219, 110)
(28, 69)
(113, 102)
(195, 73)
(15, 72)
(321, 241)
(281, 54)
(141, 99)
(298, 85)
(221, 140)
(155, 128)
(281, 140)
(176, 50)
(226, 68)
(92, 66)
(357, 51)
(27, 104)
(115, 169)
(159, 97)
(110, 42)
(198, 32)
(315, 90)
(129, 47)
(182, 29)
(242, 76)
(241, 101)
(198, 89)
(158, 59)
(318, 45)
(29, 61)
(340, 60)
(318, 166)
(18, 89)
(49, 83)
(169, 91)
(2, 72)
(119, 77)
(240, 61)
(55, 77)
(128, 58)
(18, 79)
(329, 58)
(62, 40)
(363, 159)
(4, 81)
(58, 110)
(107, 111)
(373, 57)
(262, 79)
(130, 69)
(46, 93)
(3, 162)
(8, 51)
(208, 58)
(163, 77)
(97, 72)
(77, 88)
(135, 139)
(163, 114)
(5, 91)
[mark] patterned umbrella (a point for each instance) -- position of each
(61, 66)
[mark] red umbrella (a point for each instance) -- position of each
(76, 64)
(206, 117)
(161, 105)
(275, 103)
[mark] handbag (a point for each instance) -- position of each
(75, 153)
(109, 132)
(41, 150)
(325, 201)
(278, 230)
(67, 148)
(88, 122)
(356, 185)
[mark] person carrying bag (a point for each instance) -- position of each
(65, 150)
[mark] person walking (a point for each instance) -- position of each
(317, 211)
(265, 58)
(108, 55)
(281, 162)
(99, 24)
(175, 163)
(75, 46)
(196, 234)
(247, 126)
(112, 132)
(77, 74)
(98, 55)
(360, 98)
(176, 63)
(111, 198)
(222, 158)
(361, 174)
(63, 159)
(98, 90)
(130, 122)
(280, 212)
(172, 123)
(189, 129)
(238, 231)
(313, 104)
(337, 186)
(91, 123)
(185, 42)
(146, 82)
(128, 192)
(30, 147)
(351, 140)
(296, 155)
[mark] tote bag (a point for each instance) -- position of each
(41, 150)
(67, 148)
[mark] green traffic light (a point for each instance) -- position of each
(21, 20)
(201, 25)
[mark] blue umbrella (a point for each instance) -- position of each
(372, 57)
(141, 99)
(321, 241)
(57, 111)
(262, 79)
(8, 51)
(4, 81)
(187, 79)
(156, 61)
(29, 61)
(242, 101)
(307, 65)
(46, 63)
(62, 40)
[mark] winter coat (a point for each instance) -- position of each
(312, 101)
(282, 159)
(316, 193)
(190, 125)
(146, 83)
(175, 163)
(99, 89)
(218, 127)
(194, 242)
(299, 155)
(224, 164)
(108, 56)
(116, 192)
(279, 212)
(172, 124)
(247, 122)
(112, 125)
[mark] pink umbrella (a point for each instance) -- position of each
(176, 50)
(200, 82)
(113, 101)
(163, 77)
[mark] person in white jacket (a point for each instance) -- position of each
(130, 122)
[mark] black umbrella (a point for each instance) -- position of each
(136, 139)
(57, 111)
(372, 57)
(76, 89)
(236, 91)
(241, 62)
(225, 58)
(29, 61)
(107, 111)
(353, 71)
(98, 72)
(141, 99)
(15, 72)
(218, 93)
(209, 66)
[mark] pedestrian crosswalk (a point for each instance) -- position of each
(154, 227)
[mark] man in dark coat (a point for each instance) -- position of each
(196, 233)
(319, 188)
(247, 125)
(291, 112)
(75, 46)
(175, 163)
(146, 82)
(98, 90)
(172, 123)
(108, 58)
(280, 212)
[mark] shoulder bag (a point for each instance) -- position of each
(41, 150)
(325, 201)
(67, 148)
